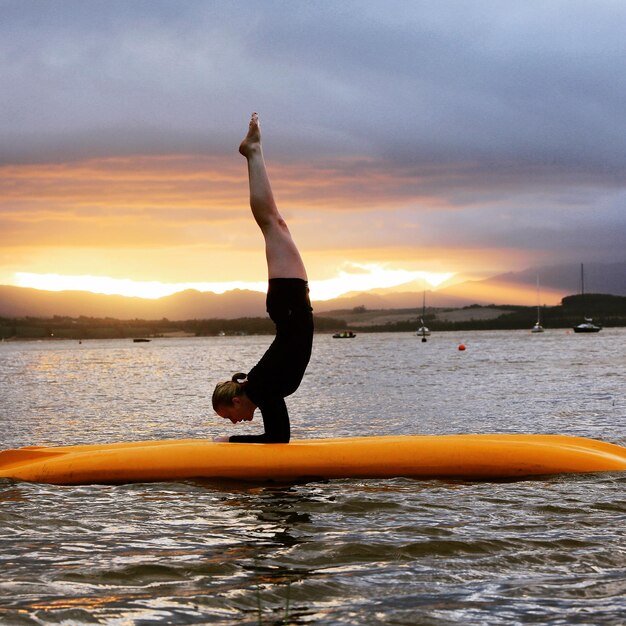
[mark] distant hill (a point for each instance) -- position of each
(391, 300)
(555, 282)
(24, 302)
(516, 288)
(607, 310)
(609, 278)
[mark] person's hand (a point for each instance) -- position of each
(221, 439)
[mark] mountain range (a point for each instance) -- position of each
(519, 288)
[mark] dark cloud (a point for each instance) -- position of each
(474, 103)
(447, 81)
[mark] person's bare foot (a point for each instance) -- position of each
(252, 141)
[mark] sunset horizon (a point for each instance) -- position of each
(368, 279)
(119, 168)
(513, 288)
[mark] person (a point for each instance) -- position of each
(279, 372)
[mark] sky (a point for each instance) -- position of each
(408, 139)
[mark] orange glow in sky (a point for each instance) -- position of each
(370, 277)
(150, 226)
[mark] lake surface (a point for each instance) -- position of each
(547, 551)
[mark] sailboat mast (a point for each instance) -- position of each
(538, 302)
(582, 280)
(587, 326)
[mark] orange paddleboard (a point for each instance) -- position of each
(471, 457)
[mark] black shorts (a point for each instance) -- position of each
(280, 370)
(288, 301)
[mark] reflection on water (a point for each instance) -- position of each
(340, 552)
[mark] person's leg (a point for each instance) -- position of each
(283, 258)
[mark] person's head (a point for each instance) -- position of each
(230, 400)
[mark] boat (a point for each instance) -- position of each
(538, 328)
(346, 334)
(423, 330)
(588, 325)
(141, 340)
(469, 457)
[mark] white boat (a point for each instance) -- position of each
(537, 328)
(423, 330)
(587, 325)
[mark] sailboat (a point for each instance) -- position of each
(538, 328)
(423, 331)
(587, 326)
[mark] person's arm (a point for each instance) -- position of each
(276, 422)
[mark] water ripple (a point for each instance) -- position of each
(544, 551)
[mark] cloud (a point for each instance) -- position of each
(443, 83)
(396, 129)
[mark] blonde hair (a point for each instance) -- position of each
(225, 392)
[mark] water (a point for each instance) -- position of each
(548, 551)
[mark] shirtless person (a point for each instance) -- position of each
(280, 370)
